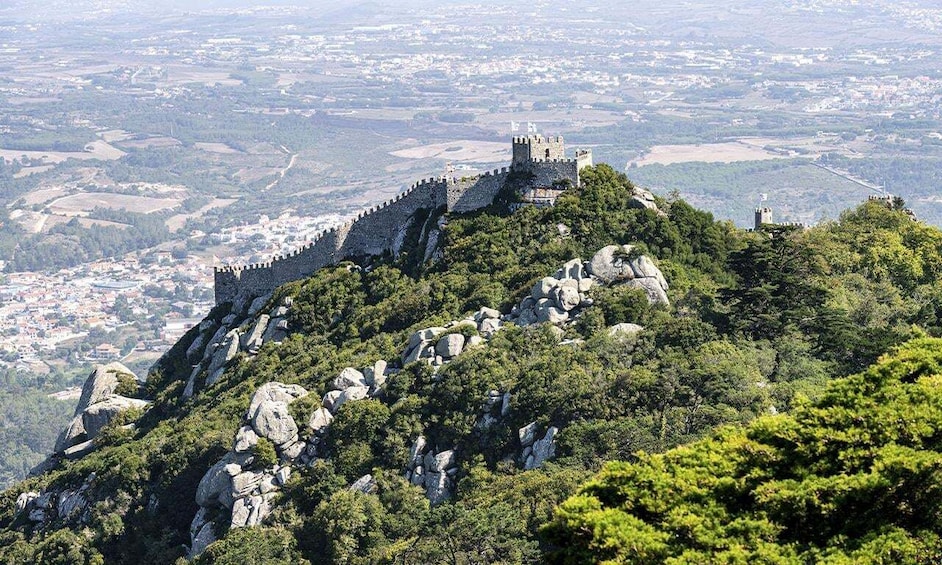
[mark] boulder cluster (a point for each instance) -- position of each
(217, 344)
(432, 471)
(240, 484)
(562, 297)
(352, 384)
(624, 265)
(97, 407)
(555, 299)
(438, 345)
(68, 505)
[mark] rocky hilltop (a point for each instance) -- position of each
(417, 407)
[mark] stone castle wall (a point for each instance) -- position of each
(372, 232)
(382, 228)
(547, 173)
(474, 193)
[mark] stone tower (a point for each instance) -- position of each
(763, 216)
(537, 148)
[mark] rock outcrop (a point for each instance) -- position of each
(432, 471)
(245, 330)
(642, 198)
(67, 505)
(97, 407)
(614, 263)
(562, 298)
(241, 488)
(235, 484)
(535, 452)
(100, 414)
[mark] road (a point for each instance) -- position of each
(283, 172)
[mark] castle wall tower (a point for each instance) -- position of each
(763, 216)
(537, 148)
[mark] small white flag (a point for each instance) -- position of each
(531, 127)
(765, 196)
(514, 126)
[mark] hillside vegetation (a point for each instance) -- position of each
(758, 323)
(852, 478)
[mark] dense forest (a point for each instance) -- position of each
(738, 427)
(29, 422)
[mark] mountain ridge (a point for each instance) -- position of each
(755, 320)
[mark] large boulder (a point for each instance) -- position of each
(412, 354)
(274, 392)
(72, 503)
(320, 419)
(214, 342)
(256, 306)
(611, 264)
(273, 421)
(428, 334)
(190, 387)
(441, 461)
(652, 288)
(571, 270)
(245, 440)
(226, 352)
(201, 533)
(543, 287)
(245, 482)
(642, 198)
(349, 377)
(252, 340)
(329, 401)
(450, 346)
(195, 351)
(416, 451)
(552, 314)
(352, 393)
(527, 434)
(365, 484)
(488, 327)
(566, 295)
(24, 500)
(486, 313)
(438, 487)
(276, 331)
(643, 267)
(543, 449)
(249, 512)
(79, 450)
(98, 415)
(102, 383)
(215, 488)
(377, 377)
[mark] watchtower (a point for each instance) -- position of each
(537, 148)
(763, 216)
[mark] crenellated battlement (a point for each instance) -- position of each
(380, 228)
(536, 139)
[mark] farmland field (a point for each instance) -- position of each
(82, 204)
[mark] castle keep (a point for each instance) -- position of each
(539, 166)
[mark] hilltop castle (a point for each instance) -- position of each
(539, 170)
